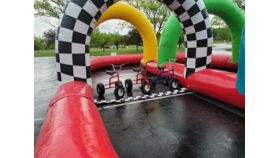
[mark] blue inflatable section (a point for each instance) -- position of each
(240, 83)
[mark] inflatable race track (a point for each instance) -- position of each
(73, 126)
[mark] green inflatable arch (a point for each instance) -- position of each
(227, 10)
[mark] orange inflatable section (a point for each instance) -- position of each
(73, 126)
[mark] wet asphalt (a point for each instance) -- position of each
(184, 126)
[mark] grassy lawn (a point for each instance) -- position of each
(97, 51)
(93, 52)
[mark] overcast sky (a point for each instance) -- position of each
(108, 26)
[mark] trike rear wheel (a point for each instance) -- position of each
(100, 89)
(145, 87)
(173, 84)
(119, 92)
(128, 85)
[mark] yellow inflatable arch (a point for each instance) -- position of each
(126, 12)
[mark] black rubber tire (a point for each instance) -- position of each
(166, 81)
(100, 89)
(119, 92)
(145, 88)
(153, 82)
(173, 84)
(128, 85)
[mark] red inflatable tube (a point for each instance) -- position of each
(73, 127)
(217, 84)
(223, 61)
(219, 61)
(214, 83)
(99, 62)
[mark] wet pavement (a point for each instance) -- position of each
(45, 86)
(181, 126)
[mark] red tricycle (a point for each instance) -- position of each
(114, 82)
(166, 76)
(141, 78)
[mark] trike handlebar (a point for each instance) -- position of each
(117, 66)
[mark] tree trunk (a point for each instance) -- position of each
(137, 47)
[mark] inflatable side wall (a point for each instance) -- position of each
(73, 126)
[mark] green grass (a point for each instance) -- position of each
(93, 52)
(97, 51)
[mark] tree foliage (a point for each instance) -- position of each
(49, 37)
(49, 8)
(39, 43)
(222, 34)
(240, 3)
(133, 38)
(181, 40)
(155, 11)
(217, 22)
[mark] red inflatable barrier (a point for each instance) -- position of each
(73, 127)
(217, 84)
(214, 83)
(219, 61)
(223, 61)
(99, 62)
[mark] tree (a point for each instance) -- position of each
(217, 22)
(221, 34)
(38, 43)
(99, 39)
(181, 40)
(155, 11)
(133, 38)
(116, 40)
(49, 9)
(49, 37)
(241, 4)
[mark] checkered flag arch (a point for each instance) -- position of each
(198, 36)
(73, 38)
(78, 20)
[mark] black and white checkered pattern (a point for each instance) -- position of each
(198, 36)
(73, 38)
(144, 97)
(79, 18)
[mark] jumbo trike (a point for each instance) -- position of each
(166, 76)
(141, 78)
(114, 82)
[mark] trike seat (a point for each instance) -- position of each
(110, 72)
(137, 69)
